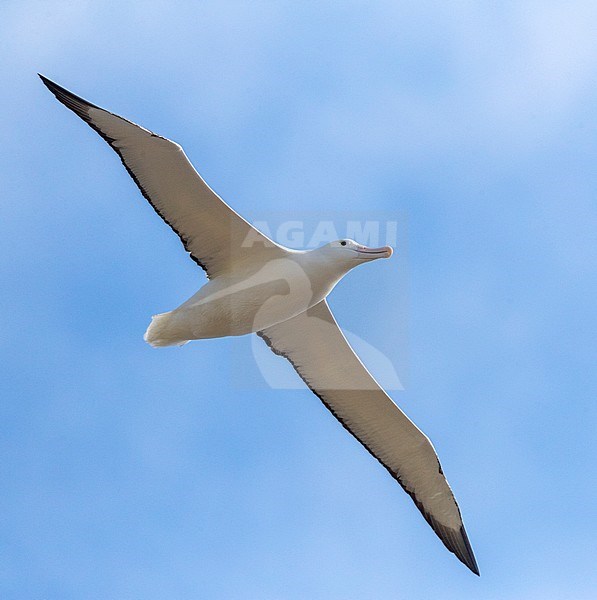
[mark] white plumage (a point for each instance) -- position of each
(258, 286)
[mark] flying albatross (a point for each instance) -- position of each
(258, 286)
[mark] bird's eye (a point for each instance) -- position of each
(343, 243)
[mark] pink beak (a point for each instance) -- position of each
(372, 253)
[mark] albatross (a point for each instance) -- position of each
(258, 286)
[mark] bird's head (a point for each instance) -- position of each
(347, 254)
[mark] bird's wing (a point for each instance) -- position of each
(321, 355)
(215, 236)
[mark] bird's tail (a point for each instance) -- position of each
(163, 331)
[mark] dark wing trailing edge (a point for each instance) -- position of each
(212, 232)
(317, 349)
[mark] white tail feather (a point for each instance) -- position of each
(162, 331)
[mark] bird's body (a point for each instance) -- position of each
(230, 305)
(258, 286)
(255, 296)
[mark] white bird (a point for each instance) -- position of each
(256, 285)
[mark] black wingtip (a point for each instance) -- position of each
(78, 105)
(456, 541)
(467, 557)
(53, 87)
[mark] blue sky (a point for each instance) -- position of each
(129, 472)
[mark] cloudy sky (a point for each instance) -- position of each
(129, 472)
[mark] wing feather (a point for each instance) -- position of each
(213, 233)
(321, 355)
